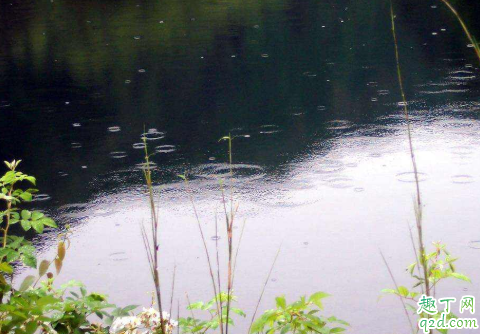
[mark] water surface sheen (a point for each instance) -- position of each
(308, 89)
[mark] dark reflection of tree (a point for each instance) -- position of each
(83, 51)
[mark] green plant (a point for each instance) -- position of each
(429, 268)
(439, 266)
(151, 242)
(35, 305)
(191, 325)
(15, 248)
(299, 317)
(53, 310)
(230, 209)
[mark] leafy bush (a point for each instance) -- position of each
(191, 325)
(299, 317)
(438, 265)
(36, 305)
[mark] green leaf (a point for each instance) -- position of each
(403, 291)
(31, 179)
(37, 226)
(13, 256)
(6, 268)
(26, 196)
(27, 249)
(317, 297)
(48, 222)
(43, 267)
(26, 215)
(4, 252)
(29, 260)
(238, 311)
(26, 225)
(31, 327)
(389, 291)
(461, 277)
(27, 282)
(258, 325)
(8, 178)
(281, 302)
(37, 215)
(129, 308)
(47, 300)
(16, 242)
(195, 306)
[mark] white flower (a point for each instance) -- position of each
(166, 315)
(151, 312)
(127, 324)
(146, 322)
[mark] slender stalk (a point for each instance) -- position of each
(464, 27)
(237, 250)
(229, 222)
(418, 203)
(7, 219)
(218, 266)
(264, 287)
(216, 296)
(173, 288)
(416, 254)
(396, 287)
(191, 310)
(153, 253)
(178, 315)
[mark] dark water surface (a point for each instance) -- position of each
(309, 90)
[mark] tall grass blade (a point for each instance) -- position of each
(263, 288)
(396, 287)
(418, 202)
(470, 37)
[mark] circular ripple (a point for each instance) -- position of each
(269, 128)
(165, 149)
(4, 104)
(410, 177)
(153, 134)
(462, 179)
(329, 166)
(114, 129)
(118, 154)
(138, 146)
(143, 166)
(241, 172)
(41, 198)
(339, 182)
(462, 150)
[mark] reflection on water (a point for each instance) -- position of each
(307, 89)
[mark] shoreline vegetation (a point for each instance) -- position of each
(36, 305)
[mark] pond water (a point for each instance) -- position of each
(321, 165)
